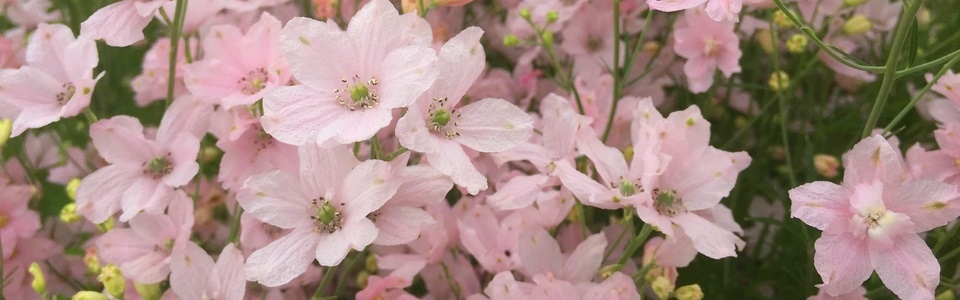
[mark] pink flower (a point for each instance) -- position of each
(248, 150)
(121, 24)
(707, 45)
(948, 86)
(351, 80)
(142, 173)
(856, 294)
(589, 40)
(718, 10)
(239, 69)
(493, 244)
(389, 287)
(17, 221)
(143, 251)
(435, 128)
(194, 275)
(402, 219)
(57, 81)
(871, 222)
(151, 84)
(540, 254)
(326, 205)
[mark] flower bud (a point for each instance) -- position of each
(651, 47)
(857, 25)
(851, 3)
(39, 284)
(946, 295)
(779, 81)
(552, 16)
(923, 17)
(362, 279)
(797, 43)
(777, 152)
(781, 19)
(112, 280)
(547, 38)
(5, 127)
(628, 153)
(689, 292)
(148, 291)
(662, 287)
(68, 214)
(89, 295)
(510, 40)
(826, 165)
(107, 225)
(765, 40)
(609, 270)
(371, 263)
(72, 188)
(92, 261)
(525, 13)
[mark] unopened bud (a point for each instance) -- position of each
(525, 13)
(112, 280)
(797, 43)
(68, 214)
(362, 279)
(89, 295)
(826, 165)
(779, 81)
(777, 152)
(651, 47)
(857, 25)
(689, 292)
(148, 291)
(547, 38)
(39, 284)
(72, 188)
(662, 287)
(107, 225)
(628, 153)
(781, 19)
(5, 127)
(765, 40)
(853, 2)
(209, 153)
(92, 261)
(552, 16)
(510, 40)
(371, 263)
(923, 17)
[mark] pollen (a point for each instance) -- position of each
(327, 219)
(68, 91)
(158, 167)
(254, 82)
(358, 94)
(442, 121)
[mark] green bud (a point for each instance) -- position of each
(525, 13)
(689, 292)
(779, 81)
(371, 263)
(857, 25)
(6, 125)
(106, 225)
(662, 287)
(68, 214)
(547, 38)
(112, 280)
(797, 43)
(362, 278)
(552, 16)
(628, 153)
(946, 295)
(148, 291)
(39, 284)
(89, 295)
(72, 188)
(781, 19)
(511, 40)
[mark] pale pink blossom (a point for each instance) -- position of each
(351, 80)
(121, 24)
(57, 80)
(248, 150)
(143, 250)
(871, 222)
(327, 206)
(718, 10)
(151, 84)
(707, 45)
(439, 130)
(540, 254)
(194, 275)
(403, 218)
(17, 221)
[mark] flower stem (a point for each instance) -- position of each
(175, 33)
(916, 98)
(327, 276)
(890, 69)
(617, 77)
(234, 236)
(635, 243)
(823, 46)
(91, 117)
(454, 288)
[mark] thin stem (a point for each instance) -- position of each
(927, 65)
(616, 242)
(351, 265)
(454, 288)
(635, 243)
(617, 77)
(91, 117)
(782, 103)
(327, 276)
(890, 69)
(823, 46)
(307, 8)
(943, 240)
(916, 98)
(400, 151)
(949, 255)
(234, 236)
(175, 33)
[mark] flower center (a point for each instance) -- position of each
(593, 44)
(873, 220)
(710, 47)
(667, 203)
(254, 82)
(3, 221)
(158, 167)
(68, 91)
(358, 94)
(327, 219)
(628, 188)
(440, 119)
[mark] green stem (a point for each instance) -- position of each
(782, 103)
(454, 288)
(890, 69)
(916, 98)
(635, 243)
(91, 117)
(327, 276)
(943, 239)
(307, 9)
(175, 33)
(234, 236)
(617, 77)
(351, 265)
(400, 151)
(823, 46)
(928, 65)
(949, 255)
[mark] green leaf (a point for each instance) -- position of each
(913, 43)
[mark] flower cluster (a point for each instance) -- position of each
(459, 149)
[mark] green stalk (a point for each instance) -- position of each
(916, 98)
(327, 276)
(175, 33)
(617, 77)
(635, 243)
(890, 69)
(234, 236)
(823, 46)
